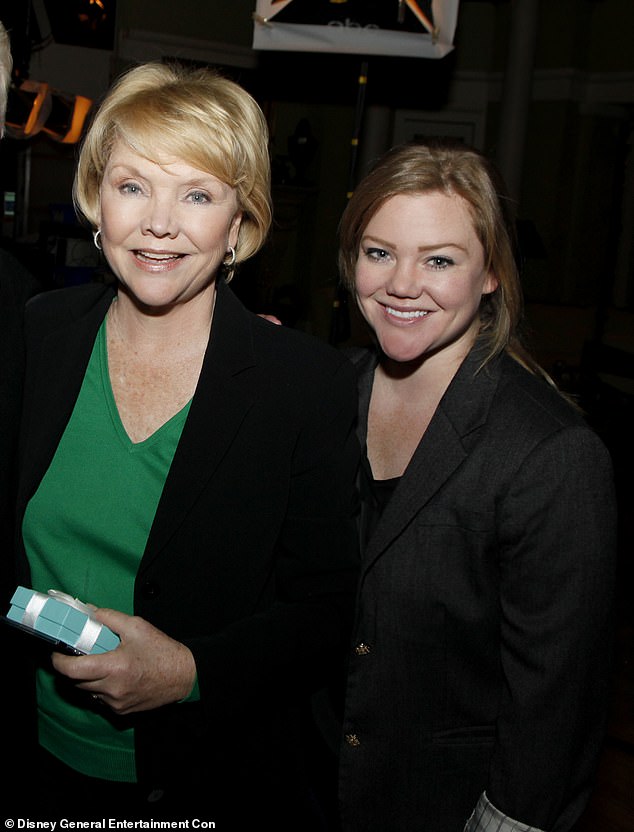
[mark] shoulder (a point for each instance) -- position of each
(297, 352)
(56, 307)
(243, 339)
(532, 416)
(532, 399)
(17, 284)
(511, 414)
(312, 380)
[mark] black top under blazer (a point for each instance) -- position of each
(481, 649)
(252, 558)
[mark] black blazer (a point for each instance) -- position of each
(252, 558)
(17, 285)
(480, 658)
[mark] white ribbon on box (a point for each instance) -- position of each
(91, 629)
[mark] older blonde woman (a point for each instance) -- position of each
(193, 478)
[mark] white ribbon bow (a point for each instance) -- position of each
(87, 639)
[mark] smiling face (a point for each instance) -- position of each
(420, 276)
(165, 229)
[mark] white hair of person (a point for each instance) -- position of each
(6, 64)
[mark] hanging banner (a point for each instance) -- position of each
(404, 28)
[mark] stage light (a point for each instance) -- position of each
(66, 118)
(28, 107)
(33, 107)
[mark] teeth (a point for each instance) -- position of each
(415, 313)
(153, 255)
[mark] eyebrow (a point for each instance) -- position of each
(430, 247)
(206, 180)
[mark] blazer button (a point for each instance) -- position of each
(362, 649)
(353, 740)
(150, 589)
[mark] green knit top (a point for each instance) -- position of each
(85, 531)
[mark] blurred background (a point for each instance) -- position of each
(545, 88)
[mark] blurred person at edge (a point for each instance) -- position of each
(17, 285)
(479, 673)
(193, 478)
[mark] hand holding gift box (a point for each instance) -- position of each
(59, 618)
(166, 667)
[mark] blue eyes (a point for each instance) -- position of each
(195, 197)
(198, 197)
(376, 253)
(437, 262)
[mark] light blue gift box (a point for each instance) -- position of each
(61, 618)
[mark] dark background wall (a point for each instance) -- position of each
(575, 174)
(574, 204)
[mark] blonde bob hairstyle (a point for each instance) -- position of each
(196, 116)
(448, 168)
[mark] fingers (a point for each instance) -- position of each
(86, 668)
(148, 669)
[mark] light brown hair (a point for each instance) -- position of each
(448, 168)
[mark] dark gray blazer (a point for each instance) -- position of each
(252, 558)
(483, 636)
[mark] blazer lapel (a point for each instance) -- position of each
(220, 404)
(436, 458)
(365, 362)
(63, 356)
(444, 447)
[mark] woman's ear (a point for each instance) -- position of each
(490, 283)
(234, 229)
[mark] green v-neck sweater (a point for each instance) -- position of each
(85, 530)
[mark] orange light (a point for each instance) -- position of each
(31, 102)
(67, 118)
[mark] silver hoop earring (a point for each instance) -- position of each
(95, 238)
(232, 258)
